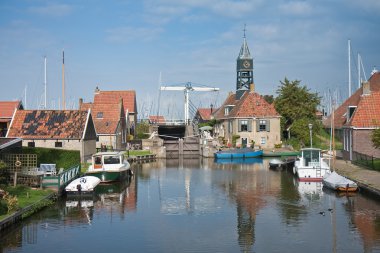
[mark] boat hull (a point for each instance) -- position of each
(337, 182)
(239, 154)
(107, 176)
(310, 174)
(82, 186)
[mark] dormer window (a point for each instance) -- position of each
(99, 115)
(228, 109)
(350, 112)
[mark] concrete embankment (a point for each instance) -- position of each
(368, 180)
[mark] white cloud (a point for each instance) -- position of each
(52, 9)
(128, 33)
(296, 8)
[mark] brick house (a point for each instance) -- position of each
(357, 117)
(203, 115)
(245, 113)
(154, 119)
(61, 129)
(110, 123)
(251, 118)
(7, 109)
(129, 104)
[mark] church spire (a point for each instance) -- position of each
(244, 50)
(244, 67)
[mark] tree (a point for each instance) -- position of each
(297, 106)
(376, 138)
(269, 98)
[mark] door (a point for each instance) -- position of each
(244, 142)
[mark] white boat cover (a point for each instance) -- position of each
(334, 180)
(87, 184)
(275, 162)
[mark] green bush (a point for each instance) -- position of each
(62, 158)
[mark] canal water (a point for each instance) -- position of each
(197, 205)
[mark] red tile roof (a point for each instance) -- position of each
(157, 119)
(106, 117)
(113, 97)
(205, 113)
(48, 124)
(7, 108)
(367, 114)
(340, 117)
(249, 105)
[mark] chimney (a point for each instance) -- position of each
(80, 103)
(252, 88)
(366, 88)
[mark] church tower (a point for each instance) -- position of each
(244, 68)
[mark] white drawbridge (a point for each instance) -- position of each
(187, 88)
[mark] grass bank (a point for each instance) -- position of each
(25, 197)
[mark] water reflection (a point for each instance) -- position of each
(206, 206)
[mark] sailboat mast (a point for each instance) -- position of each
(63, 81)
(359, 78)
(349, 68)
(45, 84)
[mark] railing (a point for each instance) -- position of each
(369, 162)
(59, 181)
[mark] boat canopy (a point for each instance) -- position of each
(311, 156)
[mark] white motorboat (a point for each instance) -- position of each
(275, 163)
(82, 185)
(310, 166)
(109, 166)
(337, 182)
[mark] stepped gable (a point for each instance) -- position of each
(367, 113)
(250, 105)
(7, 108)
(48, 124)
(340, 117)
(113, 97)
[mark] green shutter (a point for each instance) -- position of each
(249, 125)
(239, 125)
(258, 125)
(268, 125)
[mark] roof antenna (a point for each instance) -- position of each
(244, 30)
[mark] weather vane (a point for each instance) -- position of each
(244, 30)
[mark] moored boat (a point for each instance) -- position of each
(109, 167)
(238, 153)
(275, 163)
(337, 182)
(82, 185)
(310, 166)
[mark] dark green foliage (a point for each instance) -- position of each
(269, 98)
(297, 106)
(376, 138)
(295, 102)
(142, 130)
(62, 158)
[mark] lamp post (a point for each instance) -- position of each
(311, 136)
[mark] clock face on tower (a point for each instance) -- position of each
(246, 64)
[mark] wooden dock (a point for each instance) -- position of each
(141, 158)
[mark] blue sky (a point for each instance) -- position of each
(120, 45)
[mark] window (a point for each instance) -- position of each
(111, 160)
(263, 140)
(58, 144)
(228, 109)
(262, 125)
(99, 115)
(31, 144)
(230, 126)
(244, 125)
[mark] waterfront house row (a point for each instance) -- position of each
(62, 129)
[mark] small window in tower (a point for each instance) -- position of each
(99, 115)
